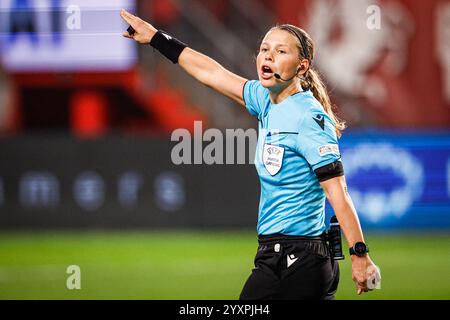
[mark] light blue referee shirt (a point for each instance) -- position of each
(296, 137)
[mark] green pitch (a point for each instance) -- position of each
(196, 265)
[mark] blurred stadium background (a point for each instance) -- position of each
(85, 120)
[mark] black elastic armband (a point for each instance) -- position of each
(169, 47)
(333, 170)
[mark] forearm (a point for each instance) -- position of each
(199, 66)
(348, 220)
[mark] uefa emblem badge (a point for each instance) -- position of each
(273, 158)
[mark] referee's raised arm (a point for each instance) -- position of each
(199, 66)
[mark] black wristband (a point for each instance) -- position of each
(169, 47)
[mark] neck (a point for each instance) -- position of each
(278, 96)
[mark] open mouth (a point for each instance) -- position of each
(266, 72)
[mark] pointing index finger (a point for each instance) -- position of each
(128, 17)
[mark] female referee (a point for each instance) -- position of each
(297, 160)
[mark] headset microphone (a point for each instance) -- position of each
(276, 75)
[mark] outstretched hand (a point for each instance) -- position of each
(144, 30)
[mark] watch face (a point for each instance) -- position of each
(360, 248)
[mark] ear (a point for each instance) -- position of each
(303, 67)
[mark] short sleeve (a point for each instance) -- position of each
(253, 95)
(317, 140)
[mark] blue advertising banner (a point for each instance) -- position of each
(398, 180)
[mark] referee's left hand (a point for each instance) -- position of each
(363, 268)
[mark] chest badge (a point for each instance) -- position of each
(273, 158)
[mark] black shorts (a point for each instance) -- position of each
(292, 268)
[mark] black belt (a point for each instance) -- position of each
(283, 237)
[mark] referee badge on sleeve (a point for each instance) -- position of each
(273, 158)
(328, 149)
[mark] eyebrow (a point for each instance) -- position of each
(278, 45)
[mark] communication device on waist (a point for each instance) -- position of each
(335, 240)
